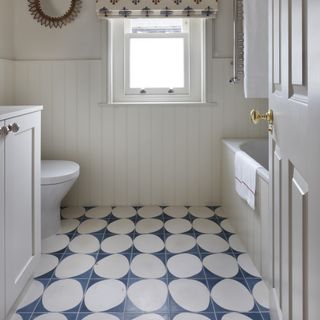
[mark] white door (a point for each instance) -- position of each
(22, 192)
(295, 157)
(2, 268)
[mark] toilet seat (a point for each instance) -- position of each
(58, 171)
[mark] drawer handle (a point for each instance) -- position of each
(14, 127)
(4, 131)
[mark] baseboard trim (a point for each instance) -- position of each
(275, 311)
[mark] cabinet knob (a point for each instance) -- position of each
(4, 131)
(14, 127)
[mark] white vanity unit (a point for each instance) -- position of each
(20, 194)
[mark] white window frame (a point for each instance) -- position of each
(157, 91)
(119, 91)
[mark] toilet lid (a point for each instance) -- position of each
(58, 171)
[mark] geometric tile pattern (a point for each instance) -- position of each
(145, 263)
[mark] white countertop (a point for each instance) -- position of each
(7, 112)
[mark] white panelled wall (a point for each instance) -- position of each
(138, 154)
(6, 81)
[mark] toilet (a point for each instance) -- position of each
(57, 178)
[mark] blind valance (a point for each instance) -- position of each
(156, 8)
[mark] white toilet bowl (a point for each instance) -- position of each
(57, 178)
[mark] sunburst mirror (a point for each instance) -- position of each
(54, 13)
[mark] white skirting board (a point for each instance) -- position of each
(275, 311)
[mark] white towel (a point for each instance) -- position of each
(255, 25)
(245, 177)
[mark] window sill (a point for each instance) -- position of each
(158, 104)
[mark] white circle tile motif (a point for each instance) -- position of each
(105, 295)
(212, 243)
(51, 316)
(98, 212)
(33, 293)
(149, 316)
(46, 264)
(221, 264)
(225, 224)
(149, 225)
(184, 265)
(148, 295)
(189, 294)
(201, 212)
(232, 295)
(74, 265)
(178, 225)
(220, 212)
(55, 243)
(121, 226)
(62, 295)
(148, 266)
(124, 212)
(247, 265)
(176, 212)
(116, 244)
(72, 212)
(100, 316)
(114, 266)
(84, 244)
(92, 225)
(68, 225)
(261, 294)
(235, 316)
(178, 243)
(190, 316)
(236, 244)
(148, 243)
(205, 226)
(149, 212)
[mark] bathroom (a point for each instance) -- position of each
(166, 202)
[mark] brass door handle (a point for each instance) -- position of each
(256, 117)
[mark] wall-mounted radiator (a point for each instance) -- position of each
(238, 42)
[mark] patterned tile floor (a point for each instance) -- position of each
(149, 263)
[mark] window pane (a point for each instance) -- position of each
(157, 25)
(156, 63)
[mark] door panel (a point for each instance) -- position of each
(22, 212)
(277, 221)
(297, 37)
(294, 96)
(298, 235)
(276, 36)
(299, 56)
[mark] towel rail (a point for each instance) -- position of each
(238, 42)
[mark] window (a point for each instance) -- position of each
(156, 60)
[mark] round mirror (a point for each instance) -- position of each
(55, 8)
(54, 13)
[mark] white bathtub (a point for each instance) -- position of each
(251, 225)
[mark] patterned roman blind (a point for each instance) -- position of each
(156, 8)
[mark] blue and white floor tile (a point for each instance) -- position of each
(148, 263)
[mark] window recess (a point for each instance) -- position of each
(156, 60)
